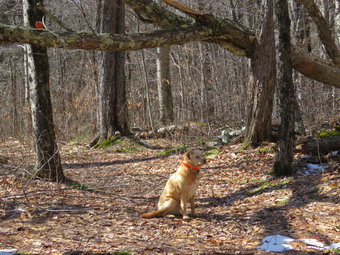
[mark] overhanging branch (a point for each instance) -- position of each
(324, 31)
(232, 36)
(88, 41)
(159, 15)
(316, 68)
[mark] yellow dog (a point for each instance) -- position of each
(181, 187)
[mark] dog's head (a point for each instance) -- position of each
(195, 157)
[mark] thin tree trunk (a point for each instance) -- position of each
(13, 89)
(48, 162)
(284, 157)
(164, 86)
(147, 93)
(207, 89)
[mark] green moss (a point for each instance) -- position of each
(123, 252)
(245, 145)
(275, 185)
(266, 149)
(77, 185)
(283, 202)
(179, 149)
(328, 134)
(106, 143)
(212, 153)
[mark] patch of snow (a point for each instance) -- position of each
(312, 169)
(7, 251)
(276, 239)
(276, 243)
(279, 243)
(334, 246)
(20, 210)
(334, 153)
(275, 247)
(312, 242)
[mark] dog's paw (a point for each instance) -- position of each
(170, 216)
(186, 217)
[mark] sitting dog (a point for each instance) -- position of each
(181, 187)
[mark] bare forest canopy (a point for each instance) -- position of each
(212, 48)
(178, 29)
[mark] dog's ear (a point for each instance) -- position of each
(188, 155)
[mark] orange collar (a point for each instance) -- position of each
(190, 166)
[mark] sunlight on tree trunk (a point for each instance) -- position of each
(164, 86)
(284, 157)
(48, 162)
(262, 84)
(112, 104)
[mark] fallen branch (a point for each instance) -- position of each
(318, 146)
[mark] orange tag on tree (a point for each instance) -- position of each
(39, 25)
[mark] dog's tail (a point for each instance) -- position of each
(154, 214)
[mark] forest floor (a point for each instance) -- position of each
(238, 203)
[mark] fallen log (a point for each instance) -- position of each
(318, 146)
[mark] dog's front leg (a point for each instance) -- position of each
(184, 207)
(192, 204)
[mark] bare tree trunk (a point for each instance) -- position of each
(207, 89)
(112, 103)
(164, 86)
(264, 80)
(48, 162)
(147, 104)
(284, 157)
(337, 22)
(301, 36)
(13, 91)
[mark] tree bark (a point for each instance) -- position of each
(263, 84)
(13, 92)
(206, 80)
(319, 146)
(112, 103)
(48, 162)
(164, 86)
(284, 156)
(315, 68)
(104, 41)
(325, 33)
